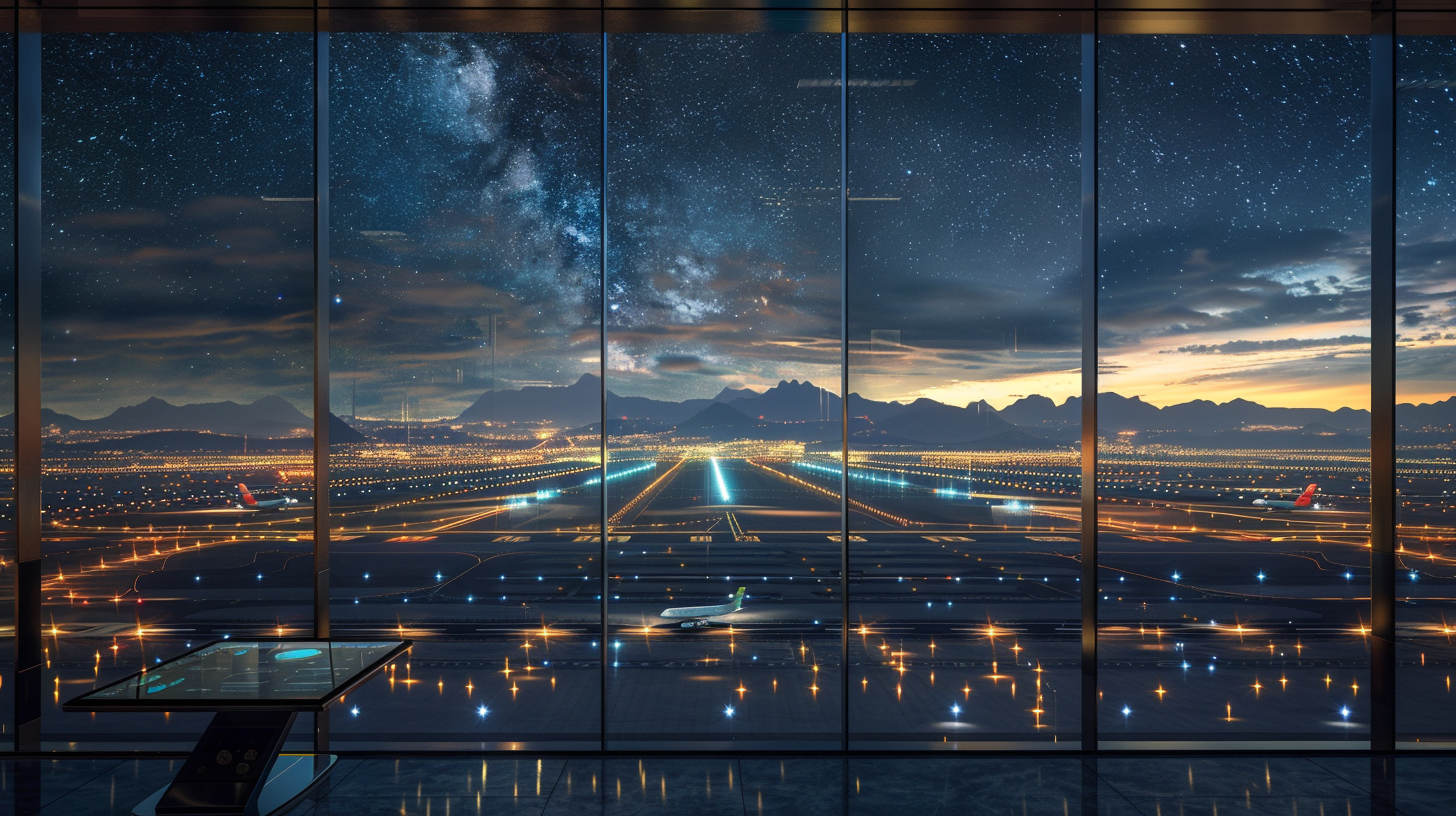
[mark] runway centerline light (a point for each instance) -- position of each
(722, 485)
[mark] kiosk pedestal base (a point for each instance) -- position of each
(236, 770)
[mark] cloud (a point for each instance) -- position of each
(679, 363)
(1210, 278)
(1253, 346)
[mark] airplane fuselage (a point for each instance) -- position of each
(1304, 502)
(700, 616)
(268, 501)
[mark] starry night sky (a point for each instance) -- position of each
(1426, 219)
(467, 174)
(976, 264)
(466, 219)
(1234, 218)
(166, 272)
(723, 259)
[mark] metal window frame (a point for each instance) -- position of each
(1379, 18)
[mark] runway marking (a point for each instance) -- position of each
(511, 539)
(1050, 538)
(646, 494)
(467, 519)
(409, 539)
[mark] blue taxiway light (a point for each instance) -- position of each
(621, 474)
(863, 475)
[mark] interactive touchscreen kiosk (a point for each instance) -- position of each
(257, 688)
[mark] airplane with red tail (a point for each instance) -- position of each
(264, 501)
(1304, 502)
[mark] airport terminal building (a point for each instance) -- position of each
(500, 380)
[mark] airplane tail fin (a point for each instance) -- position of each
(738, 598)
(1306, 497)
(247, 495)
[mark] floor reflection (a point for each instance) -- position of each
(860, 785)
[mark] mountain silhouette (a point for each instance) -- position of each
(340, 432)
(934, 423)
(719, 421)
(791, 401)
(1036, 410)
(211, 426)
(577, 404)
(268, 417)
(1427, 416)
(1038, 419)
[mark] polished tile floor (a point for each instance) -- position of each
(794, 786)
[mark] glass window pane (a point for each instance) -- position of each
(465, 174)
(723, 304)
(1234, 347)
(7, 395)
(1426, 412)
(965, 332)
(178, 313)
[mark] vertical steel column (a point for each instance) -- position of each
(602, 560)
(28, 644)
(321, 414)
(1089, 389)
(1382, 381)
(844, 374)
